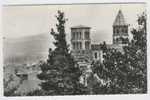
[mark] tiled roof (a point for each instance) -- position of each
(120, 20)
(96, 47)
(81, 26)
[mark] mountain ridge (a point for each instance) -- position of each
(34, 48)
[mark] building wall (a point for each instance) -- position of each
(78, 37)
(120, 34)
(81, 37)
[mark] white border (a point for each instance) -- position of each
(14, 2)
(94, 97)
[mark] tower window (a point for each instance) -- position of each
(123, 30)
(126, 31)
(117, 30)
(113, 30)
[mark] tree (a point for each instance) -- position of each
(127, 70)
(60, 74)
(136, 55)
(104, 47)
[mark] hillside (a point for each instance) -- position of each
(26, 49)
(34, 48)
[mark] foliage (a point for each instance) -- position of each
(60, 74)
(11, 90)
(136, 55)
(126, 70)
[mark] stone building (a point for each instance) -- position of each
(120, 30)
(84, 52)
(81, 43)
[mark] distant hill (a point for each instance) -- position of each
(26, 49)
(32, 49)
(100, 36)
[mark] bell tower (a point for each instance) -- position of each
(120, 30)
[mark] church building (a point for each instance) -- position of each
(85, 53)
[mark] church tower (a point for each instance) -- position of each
(120, 30)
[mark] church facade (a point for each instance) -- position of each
(85, 53)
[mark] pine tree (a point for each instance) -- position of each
(60, 74)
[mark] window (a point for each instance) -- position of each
(87, 35)
(73, 45)
(80, 35)
(126, 31)
(117, 30)
(87, 45)
(79, 45)
(113, 30)
(73, 35)
(117, 40)
(77, 35)
(95, 55)
(123, 30)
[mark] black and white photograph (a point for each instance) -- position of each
(74, 49)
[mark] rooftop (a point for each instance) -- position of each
(95, 46)
(80, 26)
(115, 46)
(120, 20)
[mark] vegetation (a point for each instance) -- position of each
(127, 70)
(120, 73)
(60, 74)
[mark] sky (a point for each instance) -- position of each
(21, 21)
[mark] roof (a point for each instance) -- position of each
(120, 20)
(22, 71)
(115, 46)
(96, 47)
(80, 26)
